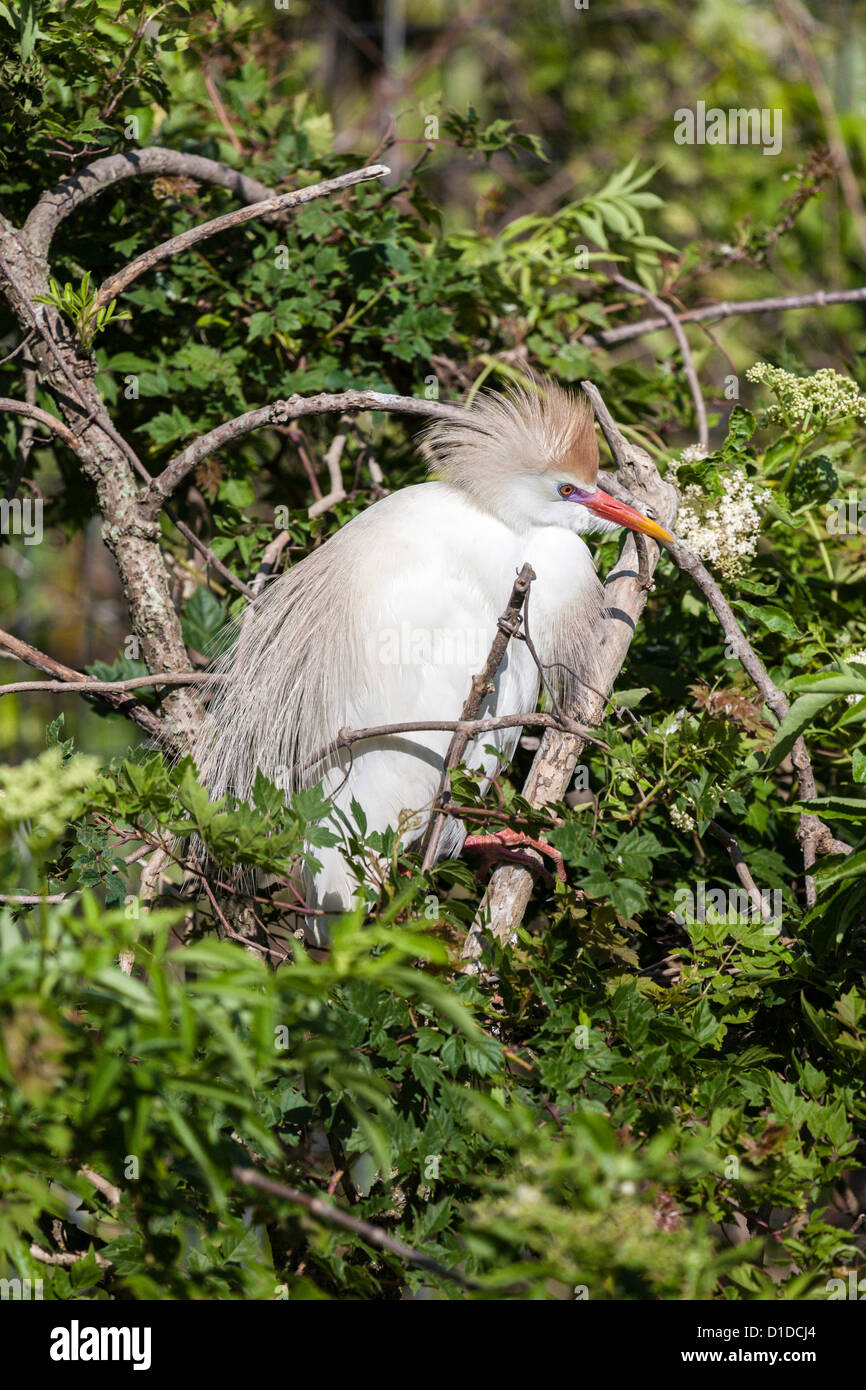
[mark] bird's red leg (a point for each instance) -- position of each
(502, 845)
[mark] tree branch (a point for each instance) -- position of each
(724, 309)
(87, 685)
(471, 728)
(741, 868)
(268, 563)
(372, 1235)
(278, 413)
(482, 684)
(685, 350)
(152, 162)
(51, 422)
(116, 284)
(31, 656)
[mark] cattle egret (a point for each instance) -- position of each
(389, 620)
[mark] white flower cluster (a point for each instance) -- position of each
(681, 819)
(693, 453)
(723, 530)
(822, 397)
(855, 659)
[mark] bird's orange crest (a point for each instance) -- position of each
(502, 436)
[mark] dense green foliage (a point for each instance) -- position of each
(637, 1088)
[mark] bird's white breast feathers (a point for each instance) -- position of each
(387, 623)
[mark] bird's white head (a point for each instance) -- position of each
(529, 458)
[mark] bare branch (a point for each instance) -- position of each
(724, 309)
(222, 114)
(25, 342)
(116, 284)
(373, 1235)
(470, 728)
(152, 162)
(67, 1258)
(278, 413)
(507, 627)
(101, 1184)
(338, 491)
(741, 868)
(32, 899)
(51, 422)
(86, 685)
(272, 552)
(683, 343)
(144, 717)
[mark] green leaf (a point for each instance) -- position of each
(770, 617)
(203, 621)
(799, 717)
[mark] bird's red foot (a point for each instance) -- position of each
(502, 845)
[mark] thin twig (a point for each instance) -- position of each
(32, 899)
(682, 341)
(66, 1258)
(88, 685)
(470, 729)
(271, 554)
(222, 114)
(333, 1216)
(101, 1184)
(741, 868)
(147, 719)
(724, 309)
(507, 627)
(28, 338)
(51, 422)
(338, 491)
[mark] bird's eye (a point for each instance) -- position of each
(566, 489)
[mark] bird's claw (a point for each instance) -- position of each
(502, 845)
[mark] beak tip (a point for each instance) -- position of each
(604, 505)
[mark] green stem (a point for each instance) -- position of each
(821, 547)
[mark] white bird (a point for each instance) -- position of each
(390, 619)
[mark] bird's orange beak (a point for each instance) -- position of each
(603, 505)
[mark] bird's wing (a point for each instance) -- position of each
(386, 623)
